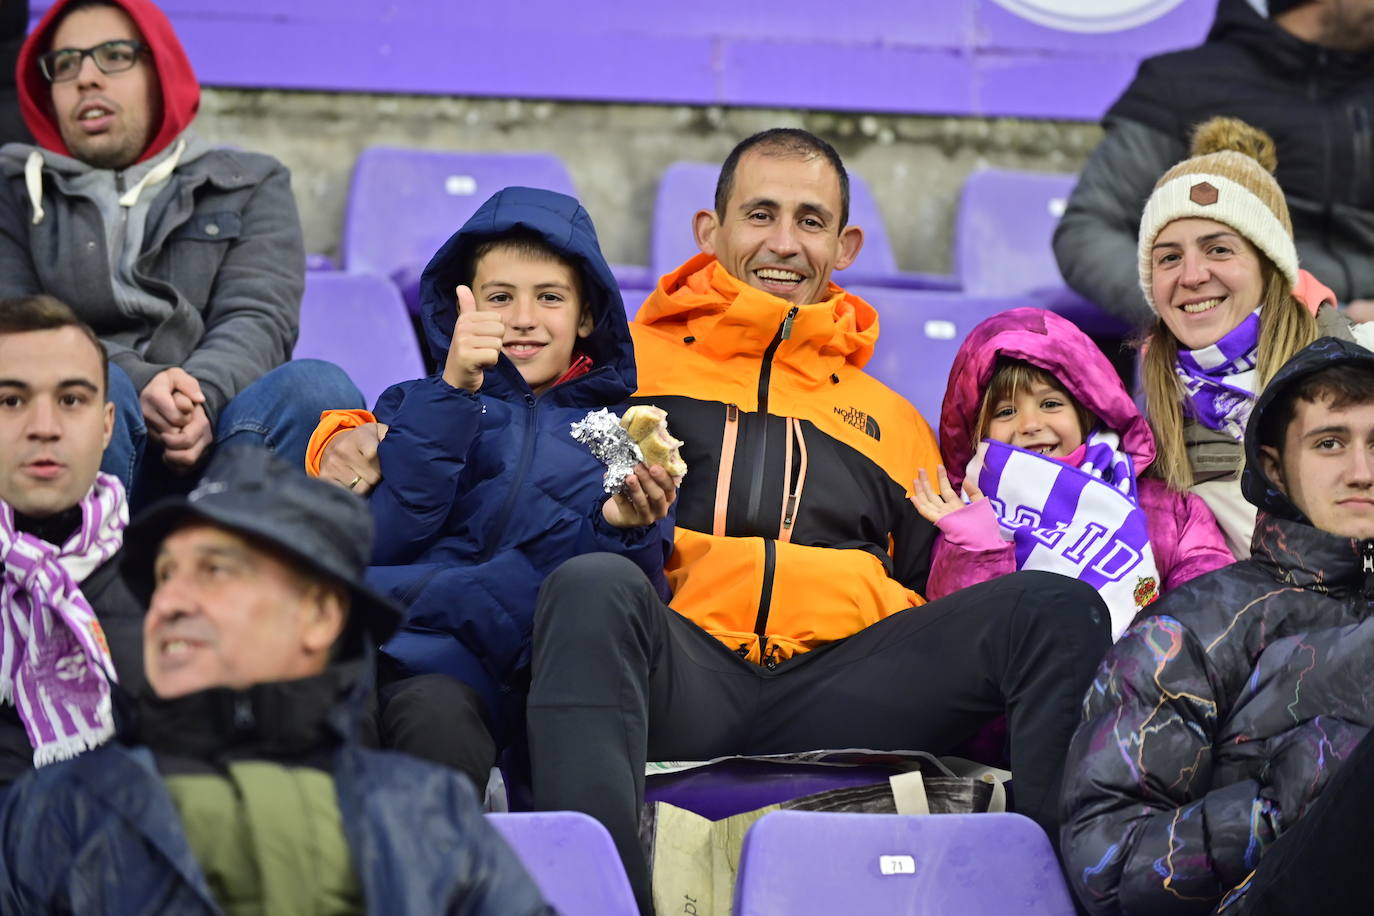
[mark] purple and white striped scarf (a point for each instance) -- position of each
(54, 661)
(1084, 522)
(1221, 380)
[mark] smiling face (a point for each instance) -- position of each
(54, 419)
(539, 300)
(1039, 418)
(227, 613)
(781, 227)
(1205, 279)
(106, 119)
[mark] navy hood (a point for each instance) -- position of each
(1321, 354)
(566, 227)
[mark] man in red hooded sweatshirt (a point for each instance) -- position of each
(187, 260)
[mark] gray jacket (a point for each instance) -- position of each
(220, 271)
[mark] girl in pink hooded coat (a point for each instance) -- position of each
(1055, 484)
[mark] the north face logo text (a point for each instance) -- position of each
(860, 420)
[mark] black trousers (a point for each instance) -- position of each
(619, 678)
(437, 718)
(1315, 866)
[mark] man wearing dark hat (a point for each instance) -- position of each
(1301, 70)
(239, 785)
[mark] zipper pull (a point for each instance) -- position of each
(1367, 556)
(787, 322)
(743, 650)
(769, 661)
(731, 413)
(791, 511)
(243, 714)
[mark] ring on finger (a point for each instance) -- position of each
(355, 481)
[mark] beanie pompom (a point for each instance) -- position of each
(1218, 135)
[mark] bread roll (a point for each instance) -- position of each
(648, 427)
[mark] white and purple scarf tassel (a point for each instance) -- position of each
(55, 665)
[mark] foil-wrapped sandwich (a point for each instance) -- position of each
(622, 442)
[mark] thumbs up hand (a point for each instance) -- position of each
(476, 345)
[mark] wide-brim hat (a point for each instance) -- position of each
(316, 526)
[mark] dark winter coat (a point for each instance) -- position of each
(483, 495)
(100, 834)
(1317, 104)
(1214, 724)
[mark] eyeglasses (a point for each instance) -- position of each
(110, 57)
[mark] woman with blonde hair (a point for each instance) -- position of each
(1219, 267)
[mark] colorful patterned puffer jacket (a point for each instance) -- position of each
(1213, 725)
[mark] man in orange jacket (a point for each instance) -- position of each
(796, 621)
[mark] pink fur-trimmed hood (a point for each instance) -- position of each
(1054, 344)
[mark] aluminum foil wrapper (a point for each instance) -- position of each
(601, 432)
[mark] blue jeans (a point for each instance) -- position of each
(278, 412)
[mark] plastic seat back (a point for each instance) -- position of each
(404, 203)
(804, 863)
(572, 859)
(359, 323)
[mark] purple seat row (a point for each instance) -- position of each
(819, 863)
(404, 203)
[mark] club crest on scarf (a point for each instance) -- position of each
(1220, 380)
(1085, 522)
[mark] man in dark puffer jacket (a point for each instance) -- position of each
(1215, 724)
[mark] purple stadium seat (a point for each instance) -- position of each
(404, 203)
(877, 264)
(1003, 239)
(803, 863)
(919, 332)
(633, 276)
(633, 299)
(687, 187)
(572, 859)
(359, 323)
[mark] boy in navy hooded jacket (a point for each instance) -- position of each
(483, 490)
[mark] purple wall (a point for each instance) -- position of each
(1028, 58)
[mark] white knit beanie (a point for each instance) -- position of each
(1230, 180)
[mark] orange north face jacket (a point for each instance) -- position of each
(794, 523)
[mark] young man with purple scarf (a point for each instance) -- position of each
(67, 621)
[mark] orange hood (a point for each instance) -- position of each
(728, 318)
